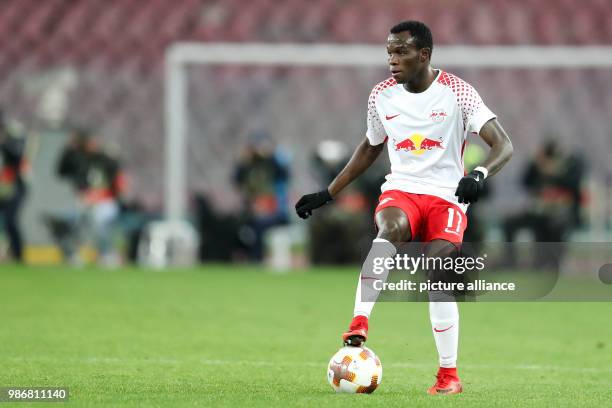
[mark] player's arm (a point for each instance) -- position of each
(500, 153)
(501, 146)
(364, 155)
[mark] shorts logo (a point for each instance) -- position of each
(438, 115)
(385, 200)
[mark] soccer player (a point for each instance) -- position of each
(425, 116)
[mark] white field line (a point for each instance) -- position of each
(263, 363)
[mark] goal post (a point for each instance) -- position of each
(181, 55)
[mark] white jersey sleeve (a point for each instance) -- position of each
(473, 110)
(477, 113)
(375, 131)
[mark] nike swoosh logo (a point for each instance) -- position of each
(391, 117)
(443, 330)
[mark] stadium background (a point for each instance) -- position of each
(102, 64)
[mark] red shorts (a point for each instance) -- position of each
(430, 217)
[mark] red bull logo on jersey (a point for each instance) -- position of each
(418, 144)
(438, 115)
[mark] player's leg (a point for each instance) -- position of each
(12, 228)
(103, 216)
(393, 226)
(444, 316)
(443, 230)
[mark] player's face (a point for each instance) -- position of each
(405, 59)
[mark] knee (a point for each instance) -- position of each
(441, 249)
(391, 230)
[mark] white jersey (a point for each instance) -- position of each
(426, 133)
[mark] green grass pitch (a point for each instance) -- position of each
(239, 336)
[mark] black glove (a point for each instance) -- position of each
(470, 187)
(311, 202)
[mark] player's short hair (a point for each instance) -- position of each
(419, 31)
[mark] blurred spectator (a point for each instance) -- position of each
(13, 167)
(135, 217)
(553, 180)
(262, 177)
(351, 216)
(219, 232)
(99, 181)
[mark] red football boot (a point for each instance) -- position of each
(447, 383)
(357, 333)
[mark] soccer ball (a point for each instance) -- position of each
(354, 370)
